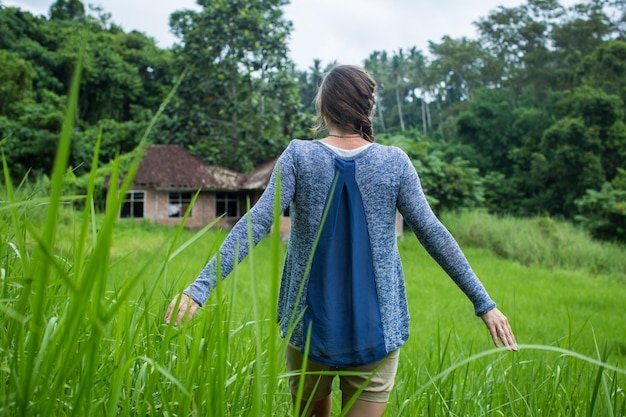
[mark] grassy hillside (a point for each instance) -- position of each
(539, 241)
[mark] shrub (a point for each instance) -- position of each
(603, 212)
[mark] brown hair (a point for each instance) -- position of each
(345, 99)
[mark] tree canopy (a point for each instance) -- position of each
(125, 78)
(238, 103)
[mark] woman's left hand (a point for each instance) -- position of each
(500, 329)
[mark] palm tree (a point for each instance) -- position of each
(397, 75)
(376, 65)
(417, 73)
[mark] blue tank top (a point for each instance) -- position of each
(342, 310)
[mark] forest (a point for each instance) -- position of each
(527, 119)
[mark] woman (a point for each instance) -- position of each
(343, 192)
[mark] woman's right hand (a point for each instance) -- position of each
(186, 309)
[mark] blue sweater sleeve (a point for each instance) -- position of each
(437, 240)
(236, 245)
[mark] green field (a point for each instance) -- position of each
(102, 348)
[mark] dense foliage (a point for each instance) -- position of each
(125, 78)
(535, 104)
(526, 119)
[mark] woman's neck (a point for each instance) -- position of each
(345, 141)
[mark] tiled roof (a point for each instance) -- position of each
(260, 177)
(172, 166)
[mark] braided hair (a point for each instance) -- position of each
(345, 99)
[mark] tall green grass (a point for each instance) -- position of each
(228, 360)
(539, 241)
(82, 299)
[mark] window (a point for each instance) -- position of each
(133, 205)
(226, 203)
(177, 204)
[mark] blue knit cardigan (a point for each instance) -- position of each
(387, 181)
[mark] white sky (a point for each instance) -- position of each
(343, 30)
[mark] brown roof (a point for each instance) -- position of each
(172, 166)
(260, 177)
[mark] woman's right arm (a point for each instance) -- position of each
(236, 245)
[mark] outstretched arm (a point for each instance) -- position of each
(235, 247)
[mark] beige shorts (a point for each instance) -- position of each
(377, 390)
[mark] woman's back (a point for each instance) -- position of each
(311, 164)
(308, 170)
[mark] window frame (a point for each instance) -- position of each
(132, 203)
(183, 200)
(225, 197)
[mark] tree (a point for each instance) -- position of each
(603, 211)
(67, 10)
(605, 68)
(580, 35)
(519, 40)
(486, 129)
(458, 66)
(125, 79)
(583, 149)
(416, 72)
(397, 77)
(378, 66)
(238, 102)
(308, 85)
(16, 80)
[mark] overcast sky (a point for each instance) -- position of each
(343, 30)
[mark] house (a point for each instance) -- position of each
(169, 176)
